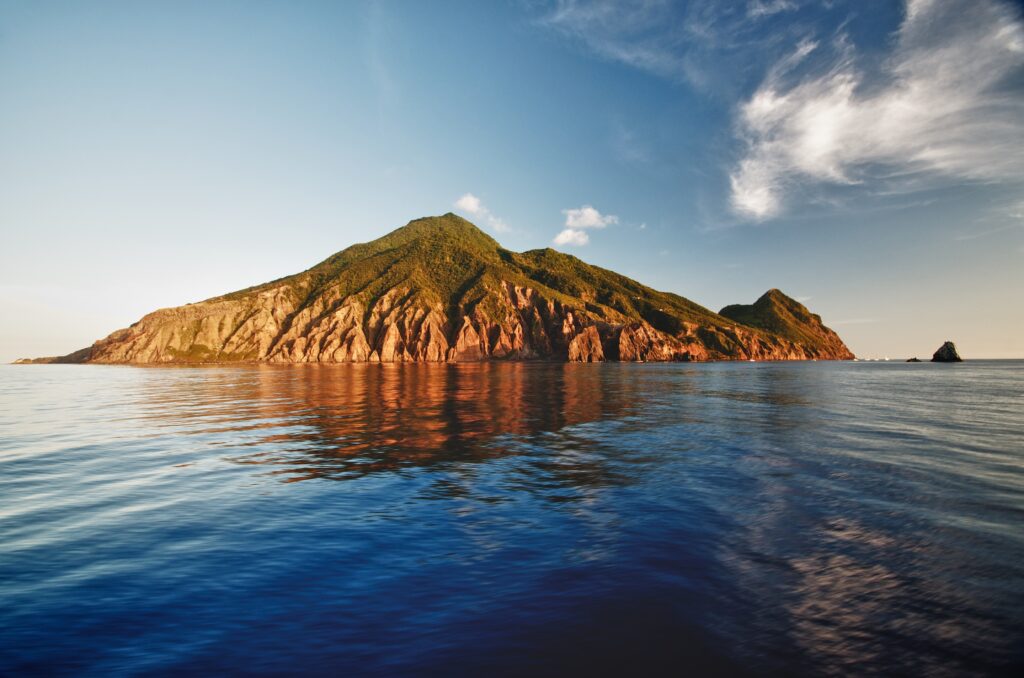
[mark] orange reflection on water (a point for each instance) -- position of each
(339, 421)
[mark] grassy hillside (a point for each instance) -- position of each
(781, 315)
(449, 260)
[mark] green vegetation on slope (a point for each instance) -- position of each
(780, 315)
(450, 261)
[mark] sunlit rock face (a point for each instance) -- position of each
(788, 319)
(441, 290)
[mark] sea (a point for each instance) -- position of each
(520, 519)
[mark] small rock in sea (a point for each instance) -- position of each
(913, 360)
(947, 354)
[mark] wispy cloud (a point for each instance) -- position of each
(1006, 218)
(579, 218)
(941, 107)
(472, 205)
(628, 147)
(760, 8)
(961, 237)
(621, 31)
(681, 41)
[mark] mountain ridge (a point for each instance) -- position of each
(441, 290)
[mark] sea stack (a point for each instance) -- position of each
(947, 354)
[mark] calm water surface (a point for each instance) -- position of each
(522, 519)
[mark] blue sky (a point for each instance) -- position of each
(864, 157)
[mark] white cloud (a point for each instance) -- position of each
(587, 217)
(580, 218)
(572, 236)
(472, 205)
(469, 203)
(941, 109)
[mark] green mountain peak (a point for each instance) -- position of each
(780, 314)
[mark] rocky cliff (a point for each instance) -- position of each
(947, 354)
(440, 290)
(787, 318)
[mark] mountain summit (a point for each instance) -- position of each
(784, 317)
(441, 290)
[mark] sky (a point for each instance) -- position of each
(865, 157)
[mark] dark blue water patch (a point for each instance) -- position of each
(513, 519)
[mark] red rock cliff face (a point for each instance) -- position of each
(275, 327)
(439, 290)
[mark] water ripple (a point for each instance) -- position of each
(519, 518)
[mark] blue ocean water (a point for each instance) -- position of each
(513, 519)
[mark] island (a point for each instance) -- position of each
(441, 290)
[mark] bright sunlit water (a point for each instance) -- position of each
(513, 519)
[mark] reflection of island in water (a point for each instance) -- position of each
(345, 421)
